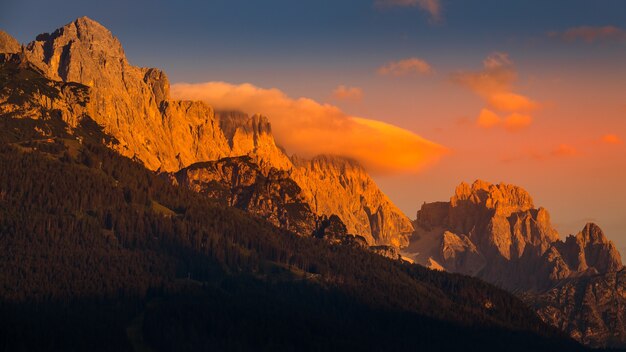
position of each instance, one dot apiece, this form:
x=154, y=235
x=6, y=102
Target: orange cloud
x=612, y=139
x=507, y=101
x=405, y=67
x=433, y=7
x=494, y=83
x=591, y=34
x=513, y=122
x=308, y=128
x=488, y=119
x=347, y=93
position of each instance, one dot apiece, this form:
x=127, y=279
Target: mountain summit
x=8, y=44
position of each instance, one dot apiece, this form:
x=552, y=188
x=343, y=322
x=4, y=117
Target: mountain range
x=70, y=97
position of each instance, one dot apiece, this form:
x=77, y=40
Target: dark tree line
x=93, y=244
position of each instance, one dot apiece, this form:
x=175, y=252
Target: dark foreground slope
x=99, y=253
x=102, y=254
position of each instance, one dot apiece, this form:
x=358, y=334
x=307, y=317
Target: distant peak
x=592, y=233
x=83, y=40
x=83, y=28
x=329, y=161
x=87, y=26
x=501, y=196
x=8, y=44
x=86, y=19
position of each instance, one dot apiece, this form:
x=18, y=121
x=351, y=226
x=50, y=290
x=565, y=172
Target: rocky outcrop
x=8, y=44
x=590, y=250
x=337, y=185
x=26, y=92
x=458, y=253
x=239, y=182
x=494, y=232
x=490, y=231
x=252, y=135
x=592, y=309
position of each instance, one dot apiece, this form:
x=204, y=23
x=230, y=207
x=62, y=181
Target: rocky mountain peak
x=503, y=198
x=130, y=103
x=338, y=185
x=590, y=250
x=8, y=44
x=79, y=52
x=592, y=234
x=237, y=126
x=252, y=135
x=499, y=226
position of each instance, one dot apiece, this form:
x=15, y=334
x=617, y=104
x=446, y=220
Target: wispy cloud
x=405, y=67
x=432, y=7
x=612, y=139
x=348, y=93
x=512, y=122
x=591, y=34
x=494, y=83
x=307, y=128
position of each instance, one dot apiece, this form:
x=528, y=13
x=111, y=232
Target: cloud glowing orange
x=612, y=139
x=494, y=83
x=307, y=128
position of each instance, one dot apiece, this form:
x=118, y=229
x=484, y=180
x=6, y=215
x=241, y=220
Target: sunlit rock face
x=494, y=232
x=26, y=93
x=252, y=135
x=8, y=44
x=337, y=185
x=239, y=182
x=133, y=105
x=511, y=243
x=591, y=308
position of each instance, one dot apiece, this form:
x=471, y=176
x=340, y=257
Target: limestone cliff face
x=336, y=185
x=132, y=104
x=239, y=182
x=8, y=44
x=590, y=250
x=333, y=187
x=591, y=308
x=252, y=135
x=26, y=92
x=501, y=237
x=494, y=232
x=501, y=219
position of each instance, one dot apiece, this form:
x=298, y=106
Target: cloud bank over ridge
x=308, y=128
